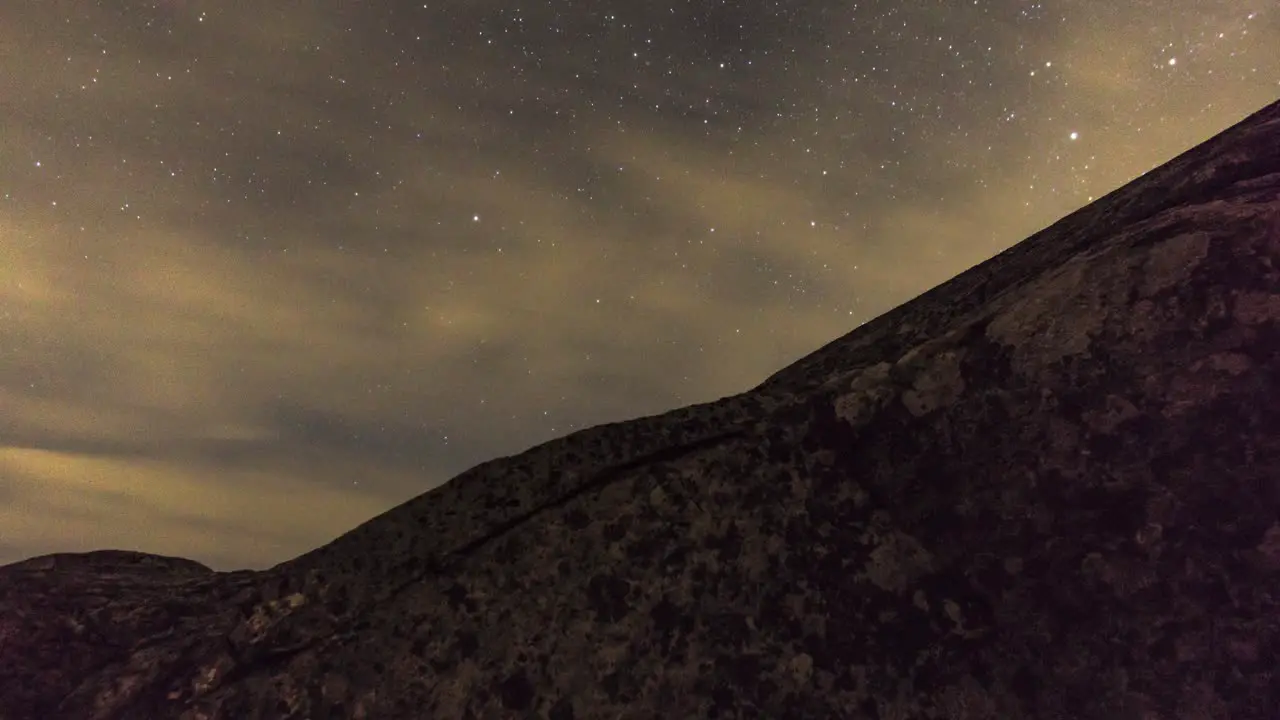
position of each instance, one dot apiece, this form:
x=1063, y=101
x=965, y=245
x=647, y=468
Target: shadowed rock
x=1049, y=488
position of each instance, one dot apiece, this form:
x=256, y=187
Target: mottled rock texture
x=1049, y=488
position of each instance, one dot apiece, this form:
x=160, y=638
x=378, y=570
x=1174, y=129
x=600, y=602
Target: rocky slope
x=1049, y=488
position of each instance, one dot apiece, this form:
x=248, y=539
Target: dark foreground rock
x=1049, y=488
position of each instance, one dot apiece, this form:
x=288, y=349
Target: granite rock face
x=1049, y=488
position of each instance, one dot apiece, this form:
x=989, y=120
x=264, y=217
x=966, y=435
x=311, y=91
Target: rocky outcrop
x=1049, y=488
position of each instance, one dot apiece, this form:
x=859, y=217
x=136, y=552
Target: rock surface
x=1049, y=488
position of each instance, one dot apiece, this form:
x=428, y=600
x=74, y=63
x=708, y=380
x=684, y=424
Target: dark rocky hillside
x=1049, y=488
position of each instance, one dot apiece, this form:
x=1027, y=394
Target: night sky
x=269, y=269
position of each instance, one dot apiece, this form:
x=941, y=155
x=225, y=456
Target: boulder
x=1048, y=488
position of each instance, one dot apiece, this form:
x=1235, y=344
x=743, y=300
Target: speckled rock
x=1049, y=488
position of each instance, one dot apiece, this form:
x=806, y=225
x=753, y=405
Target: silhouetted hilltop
x=1048, y=488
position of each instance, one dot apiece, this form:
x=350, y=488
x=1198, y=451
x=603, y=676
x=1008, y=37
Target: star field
x=267, y=271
